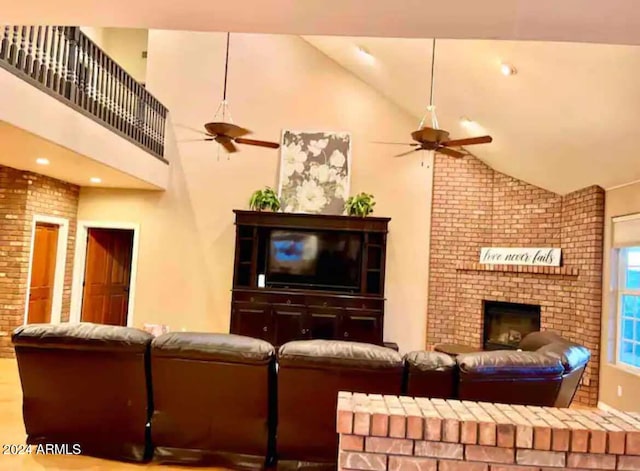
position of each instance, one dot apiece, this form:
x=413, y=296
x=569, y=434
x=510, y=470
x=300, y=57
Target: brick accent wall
x=475, y=206
x=380, y=433
x=23, y=195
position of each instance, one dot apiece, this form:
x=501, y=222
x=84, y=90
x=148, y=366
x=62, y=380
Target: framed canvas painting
x=315, y=169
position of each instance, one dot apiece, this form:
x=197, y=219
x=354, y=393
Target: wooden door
x=43, y=268
x=107, y=276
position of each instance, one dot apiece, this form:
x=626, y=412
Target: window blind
x=626, y=231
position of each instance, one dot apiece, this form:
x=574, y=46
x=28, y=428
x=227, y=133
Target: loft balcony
x=63, y=96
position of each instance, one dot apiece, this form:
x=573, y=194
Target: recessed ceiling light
x=365, y=55
x=507, y=69
x=95, y=180
x=42, y=161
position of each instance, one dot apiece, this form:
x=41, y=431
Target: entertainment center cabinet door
x=289, y=323
x=252, y=320
x=362, y=326
x=323, y=322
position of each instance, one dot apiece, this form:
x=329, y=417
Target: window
x=629, y=306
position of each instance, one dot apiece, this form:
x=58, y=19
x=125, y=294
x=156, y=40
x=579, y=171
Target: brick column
x=23, y=195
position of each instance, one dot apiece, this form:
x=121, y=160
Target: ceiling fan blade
x=408, y=152
x=468, y=141
x=227, y=144
x=396, y=143
x=450, y=152
x=255, y=142
x=189, y=128
x=206, y=139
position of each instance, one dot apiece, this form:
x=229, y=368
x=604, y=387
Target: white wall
x=275, y=82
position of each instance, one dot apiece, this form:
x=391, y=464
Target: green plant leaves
x=360, y=205
x=264, y=199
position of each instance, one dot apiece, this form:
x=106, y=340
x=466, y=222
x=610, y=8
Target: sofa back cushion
x=310, y=375
x=430, y=374
x=86, y=384
x=213, y=399
x=509, y=377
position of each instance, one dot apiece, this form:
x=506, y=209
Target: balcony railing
x=65, y=63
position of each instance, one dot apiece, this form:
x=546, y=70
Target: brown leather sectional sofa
x=234, y=402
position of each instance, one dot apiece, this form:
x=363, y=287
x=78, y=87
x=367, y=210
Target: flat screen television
x=314, y=259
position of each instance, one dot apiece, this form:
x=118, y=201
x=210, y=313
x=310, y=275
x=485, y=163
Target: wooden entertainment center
x=279, y=293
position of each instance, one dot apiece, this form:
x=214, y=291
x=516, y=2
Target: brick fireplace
x=475, y=206
x=505, y=324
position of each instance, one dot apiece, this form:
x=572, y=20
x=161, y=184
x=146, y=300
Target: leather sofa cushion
x=429, y=361
x=571, y=355
x=82, y=336
x=213, y=347
x=535, y=340
x=338, y=353
x=509, y=364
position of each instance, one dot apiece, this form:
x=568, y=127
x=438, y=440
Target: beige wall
x=125, y=46
x=275, y=82
x=619, y=202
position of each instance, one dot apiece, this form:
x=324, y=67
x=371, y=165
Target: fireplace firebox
x=505, y=324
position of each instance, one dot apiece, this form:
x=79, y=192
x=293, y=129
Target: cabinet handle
x=324, y=304
x=364, y=306
x=288, y=301
x=265, y=328
x=251, y=299
x=346, y=334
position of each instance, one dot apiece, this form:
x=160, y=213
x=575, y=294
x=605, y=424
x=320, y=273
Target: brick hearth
x=389, y=433
x=475, y=206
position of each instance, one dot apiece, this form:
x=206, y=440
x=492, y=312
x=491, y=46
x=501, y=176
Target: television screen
x=322, y=259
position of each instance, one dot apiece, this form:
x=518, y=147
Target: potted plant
x=360, y=205
x=264, y=200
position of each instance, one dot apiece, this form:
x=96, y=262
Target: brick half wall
x=380, y=433
x=474, y=207
x=23, y=195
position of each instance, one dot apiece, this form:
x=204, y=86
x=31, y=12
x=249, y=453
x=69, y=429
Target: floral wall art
x=314, y=171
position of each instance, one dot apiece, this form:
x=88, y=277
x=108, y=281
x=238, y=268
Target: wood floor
x=12, y=432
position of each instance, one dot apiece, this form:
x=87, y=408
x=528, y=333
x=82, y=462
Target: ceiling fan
x=225, y=132
x=433, y=138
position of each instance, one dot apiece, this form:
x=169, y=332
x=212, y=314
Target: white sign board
x=540, y=257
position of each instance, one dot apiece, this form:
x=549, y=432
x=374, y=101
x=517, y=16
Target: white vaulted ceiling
x=567, y=119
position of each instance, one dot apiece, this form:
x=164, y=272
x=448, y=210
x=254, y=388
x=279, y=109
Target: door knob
x=346, y=334
x=264, y=328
